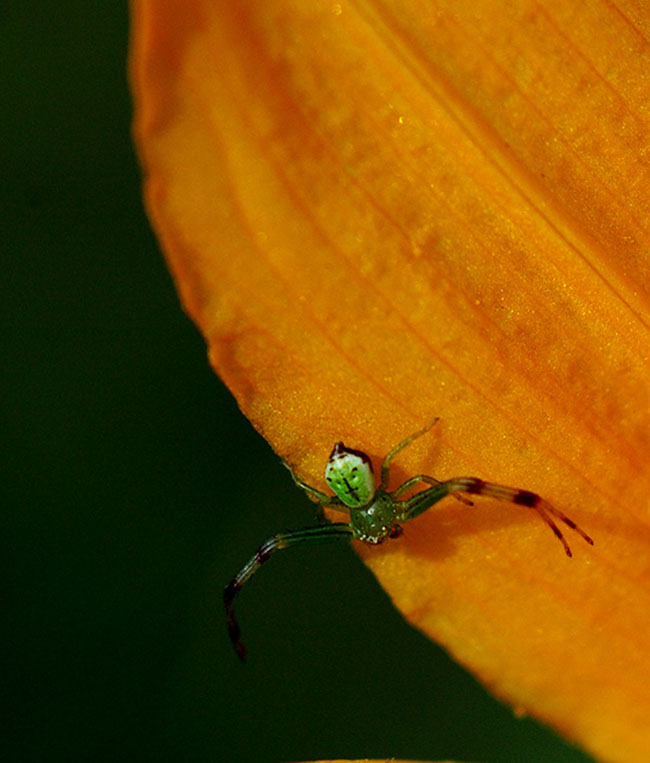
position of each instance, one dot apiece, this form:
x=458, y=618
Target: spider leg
x=320, y=515
x=522, y=498
x=406, y=486
x=385, y=467
x=325, y=533
x=427, y=498
x=329, y=501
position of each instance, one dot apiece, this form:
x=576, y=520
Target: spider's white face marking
x=349, y=474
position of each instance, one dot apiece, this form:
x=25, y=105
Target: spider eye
x=349, y=474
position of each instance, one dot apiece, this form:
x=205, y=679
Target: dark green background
x=133, y=488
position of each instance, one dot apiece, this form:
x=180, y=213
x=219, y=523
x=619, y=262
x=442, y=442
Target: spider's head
x=349, y=474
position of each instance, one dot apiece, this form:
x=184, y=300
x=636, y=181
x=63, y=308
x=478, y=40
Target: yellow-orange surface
x=381, y=211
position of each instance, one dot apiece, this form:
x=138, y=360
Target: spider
x=377, y=514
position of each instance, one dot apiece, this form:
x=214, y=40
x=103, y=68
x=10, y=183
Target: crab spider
x=375, y=514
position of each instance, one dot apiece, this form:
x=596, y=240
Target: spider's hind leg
x=329, y=501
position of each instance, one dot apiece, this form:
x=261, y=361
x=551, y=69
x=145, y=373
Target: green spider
x=376, y=514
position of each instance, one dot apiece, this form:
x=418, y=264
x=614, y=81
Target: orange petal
x=382, y=211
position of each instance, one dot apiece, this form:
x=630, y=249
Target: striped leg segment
x=522, y=498
x=323, y=534
x=424, y=500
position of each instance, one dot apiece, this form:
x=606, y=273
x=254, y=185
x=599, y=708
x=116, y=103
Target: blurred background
x=133, y=488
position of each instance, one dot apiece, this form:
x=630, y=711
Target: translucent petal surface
x=378, y=212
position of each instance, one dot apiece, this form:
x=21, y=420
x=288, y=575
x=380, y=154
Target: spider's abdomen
x=349, y=474
x=374, y=523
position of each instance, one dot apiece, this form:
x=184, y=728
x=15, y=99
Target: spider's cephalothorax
x=376, y=521
x=376, y=514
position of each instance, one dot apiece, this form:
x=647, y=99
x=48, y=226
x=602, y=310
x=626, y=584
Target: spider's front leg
x=420, y=502
x=326, y=533
x=410, y=483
